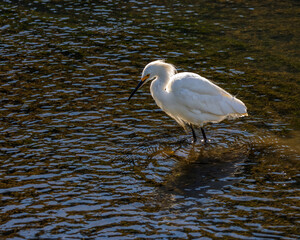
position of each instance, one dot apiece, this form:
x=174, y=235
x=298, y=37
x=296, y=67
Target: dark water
x=80, y=162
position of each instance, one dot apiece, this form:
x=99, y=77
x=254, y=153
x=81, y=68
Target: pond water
x=77, y=161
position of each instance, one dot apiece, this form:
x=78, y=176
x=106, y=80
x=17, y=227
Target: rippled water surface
x=80, y=162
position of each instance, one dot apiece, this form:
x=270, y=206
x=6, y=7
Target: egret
x=188, y=98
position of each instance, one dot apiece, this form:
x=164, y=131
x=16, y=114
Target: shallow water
x=80, y=162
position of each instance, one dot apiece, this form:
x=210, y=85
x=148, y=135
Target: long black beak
x=137, y=87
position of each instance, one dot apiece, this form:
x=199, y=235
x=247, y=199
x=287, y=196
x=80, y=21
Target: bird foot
x=205, y=141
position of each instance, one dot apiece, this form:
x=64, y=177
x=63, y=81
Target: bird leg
x=204, y=136
x=194, y=134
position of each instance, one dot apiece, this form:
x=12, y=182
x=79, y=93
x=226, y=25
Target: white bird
x=189, y=98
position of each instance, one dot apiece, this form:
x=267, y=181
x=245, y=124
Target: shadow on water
x=194, y=170
x=206, y=172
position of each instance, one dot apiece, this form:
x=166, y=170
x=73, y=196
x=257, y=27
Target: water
x=80, y=162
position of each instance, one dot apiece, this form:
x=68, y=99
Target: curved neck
x=162, y=79
x=158, y=88
x=160, y=83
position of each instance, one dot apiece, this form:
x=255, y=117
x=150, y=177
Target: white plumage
x=189, y=98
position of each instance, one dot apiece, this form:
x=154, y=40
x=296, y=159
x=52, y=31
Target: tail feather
x=238, y=108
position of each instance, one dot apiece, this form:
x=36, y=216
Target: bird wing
x=196, y=83
x=199, y=94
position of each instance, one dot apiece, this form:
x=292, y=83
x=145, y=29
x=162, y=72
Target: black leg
x=194, y=135
x=204, y=136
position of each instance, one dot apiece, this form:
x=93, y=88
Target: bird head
x=154, y=70
x=147, y=76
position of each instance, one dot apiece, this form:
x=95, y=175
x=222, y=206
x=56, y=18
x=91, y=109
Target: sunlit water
x=79, y=161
